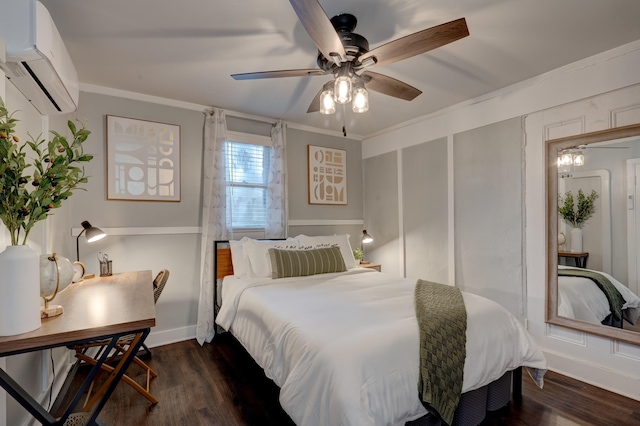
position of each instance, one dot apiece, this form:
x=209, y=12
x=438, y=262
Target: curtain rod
x=246, y=116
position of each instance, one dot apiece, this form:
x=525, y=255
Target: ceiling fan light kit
x=360, y=102
x=346, y=55
x=327, y=102
x=342, y=89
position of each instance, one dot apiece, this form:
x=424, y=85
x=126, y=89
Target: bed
x=580, y=298
x=343, y=346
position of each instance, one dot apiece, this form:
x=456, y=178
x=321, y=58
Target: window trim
x=250, y=139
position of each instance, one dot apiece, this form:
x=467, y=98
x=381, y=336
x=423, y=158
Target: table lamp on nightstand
x=366, y=239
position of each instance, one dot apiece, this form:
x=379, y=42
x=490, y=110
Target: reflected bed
x=580, y=298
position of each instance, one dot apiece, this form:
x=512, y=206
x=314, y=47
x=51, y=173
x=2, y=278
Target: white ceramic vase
x=576, y=240
x=19, y=290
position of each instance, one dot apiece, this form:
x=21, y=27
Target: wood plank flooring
x=219, y=384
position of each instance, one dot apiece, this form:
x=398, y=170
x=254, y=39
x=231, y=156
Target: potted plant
x=358, y=254
x=577, y=214
x=35, y=177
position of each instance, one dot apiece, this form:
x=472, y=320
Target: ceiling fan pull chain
x=344, y=124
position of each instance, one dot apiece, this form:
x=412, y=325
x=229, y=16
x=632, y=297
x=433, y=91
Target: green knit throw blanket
x=616, y=301
x=442, y=319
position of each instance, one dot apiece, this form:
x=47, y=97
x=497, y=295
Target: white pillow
x=241, y=265
x=257, y=252
x=342, y=241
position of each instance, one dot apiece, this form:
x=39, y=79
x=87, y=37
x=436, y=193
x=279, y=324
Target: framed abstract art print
x=143, y=160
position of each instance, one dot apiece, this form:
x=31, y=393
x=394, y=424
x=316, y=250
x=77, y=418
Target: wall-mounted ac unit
x=37, y=62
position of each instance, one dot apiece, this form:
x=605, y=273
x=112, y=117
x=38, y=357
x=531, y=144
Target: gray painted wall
x=382, y=218
x=299, y=207
x=488, y=213
x=487, y=217
x=425, y=211
x=93, y=205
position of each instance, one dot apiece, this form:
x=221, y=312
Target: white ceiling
x=187, y=49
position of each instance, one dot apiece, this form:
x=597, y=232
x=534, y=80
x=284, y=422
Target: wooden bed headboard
x=223, y=264
x=222, y=267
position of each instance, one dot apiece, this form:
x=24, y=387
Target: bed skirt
x=474, y=405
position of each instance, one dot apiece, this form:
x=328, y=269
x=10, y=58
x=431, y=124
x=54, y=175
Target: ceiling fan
x=346, y=55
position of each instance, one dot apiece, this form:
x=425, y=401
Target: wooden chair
x=120, y=347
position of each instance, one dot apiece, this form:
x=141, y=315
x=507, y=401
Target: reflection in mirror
x=593, y=241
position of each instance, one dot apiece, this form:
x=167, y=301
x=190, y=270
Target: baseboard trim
x=622, y=383
x=166, y=337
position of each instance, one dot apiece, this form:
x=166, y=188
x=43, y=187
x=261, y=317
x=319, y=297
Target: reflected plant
x=578, y=214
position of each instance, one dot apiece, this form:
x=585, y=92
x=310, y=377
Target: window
x=247, y=168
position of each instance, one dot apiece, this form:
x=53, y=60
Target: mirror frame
x=552, y=147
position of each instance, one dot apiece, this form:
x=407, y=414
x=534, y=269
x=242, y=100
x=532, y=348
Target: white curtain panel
x=213, y=215
x=277, y=189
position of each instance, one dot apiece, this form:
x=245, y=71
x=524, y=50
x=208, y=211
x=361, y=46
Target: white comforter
x=344, y=348
x=580, y=298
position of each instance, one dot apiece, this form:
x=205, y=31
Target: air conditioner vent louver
x=15, y=69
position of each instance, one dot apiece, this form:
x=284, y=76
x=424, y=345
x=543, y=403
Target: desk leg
x=103, y=394
x=26, y=400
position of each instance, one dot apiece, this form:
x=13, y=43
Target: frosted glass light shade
x=342, y=90
x=578, y=159
x=360, y=100
x=327, y=104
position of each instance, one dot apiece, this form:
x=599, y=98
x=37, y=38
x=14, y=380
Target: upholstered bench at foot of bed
x=474, y=404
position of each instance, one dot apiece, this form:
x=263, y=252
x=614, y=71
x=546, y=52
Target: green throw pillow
x=301, y=263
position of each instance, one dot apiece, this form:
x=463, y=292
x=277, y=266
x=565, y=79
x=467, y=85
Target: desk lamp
x=91, y=233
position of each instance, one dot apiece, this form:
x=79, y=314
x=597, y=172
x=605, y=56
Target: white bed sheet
x=344, y=348
x=580, y=298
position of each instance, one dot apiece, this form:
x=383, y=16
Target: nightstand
x=375, y=266
x=579, y=258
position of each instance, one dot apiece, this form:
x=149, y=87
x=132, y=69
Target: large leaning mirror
x=593, y=240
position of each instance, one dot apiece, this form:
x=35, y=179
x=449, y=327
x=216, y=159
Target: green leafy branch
x=30, y=190
x=576, y=215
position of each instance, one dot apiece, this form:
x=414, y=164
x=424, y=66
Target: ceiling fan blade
x=317, y=23
x=389, y=86
x=277, y=74
x=417, y=43
x=314, y=106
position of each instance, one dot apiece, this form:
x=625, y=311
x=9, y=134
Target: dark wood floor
x=219, y=384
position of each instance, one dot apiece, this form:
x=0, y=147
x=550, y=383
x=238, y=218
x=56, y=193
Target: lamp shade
x=94, y=234
x=366, y=238
x=91, y=233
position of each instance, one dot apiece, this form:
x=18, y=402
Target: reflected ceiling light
x=567, y=160
x=578, y=159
